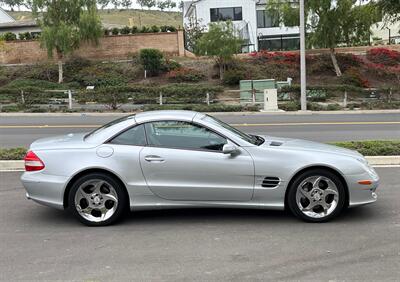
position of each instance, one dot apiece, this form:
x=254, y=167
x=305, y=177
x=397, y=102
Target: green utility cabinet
x=247, y=86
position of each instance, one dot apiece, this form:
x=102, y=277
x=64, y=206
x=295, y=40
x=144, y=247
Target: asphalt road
x=40, y=243
x=21, y=131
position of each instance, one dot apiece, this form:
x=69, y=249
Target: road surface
x=40, y=243
x=22, y=130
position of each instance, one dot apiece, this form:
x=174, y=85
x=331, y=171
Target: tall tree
x=12, y=3
x=220, y=43
x=390, y=9
x=126, y=4
x=103, y=3
x=330, y=22
x=170, y=4
x=162, y=5
x=147, y=3
x=65, y=25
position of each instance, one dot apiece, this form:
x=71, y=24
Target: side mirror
x=229, y=149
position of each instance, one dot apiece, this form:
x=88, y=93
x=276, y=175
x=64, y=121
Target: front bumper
x=362, y=194
x=45, y=189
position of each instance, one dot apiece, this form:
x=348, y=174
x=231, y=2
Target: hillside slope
x=121, y=17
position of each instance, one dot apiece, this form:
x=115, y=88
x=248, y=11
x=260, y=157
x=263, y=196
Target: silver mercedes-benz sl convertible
x=183, y=159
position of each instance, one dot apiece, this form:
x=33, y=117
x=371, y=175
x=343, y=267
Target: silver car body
x=192, y=178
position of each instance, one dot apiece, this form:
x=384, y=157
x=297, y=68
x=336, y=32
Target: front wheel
x=316, y=196
x=97, y=199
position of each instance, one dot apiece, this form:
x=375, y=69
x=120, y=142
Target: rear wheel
x=316, y=196
x=97, y=199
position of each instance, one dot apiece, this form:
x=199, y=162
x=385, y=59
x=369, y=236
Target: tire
x=97, y=199
x=316, y=195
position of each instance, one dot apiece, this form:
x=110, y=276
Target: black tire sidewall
x=122, y=198
x=291, y=200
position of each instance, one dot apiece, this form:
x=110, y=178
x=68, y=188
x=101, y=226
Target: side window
x=179, y=134
x=134, y=136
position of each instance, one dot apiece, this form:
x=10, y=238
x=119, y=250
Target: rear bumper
x=362, y=194
x=45, y=189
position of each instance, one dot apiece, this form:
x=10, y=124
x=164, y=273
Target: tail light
x=32, y=162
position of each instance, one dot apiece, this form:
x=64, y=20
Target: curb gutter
x=374, y=161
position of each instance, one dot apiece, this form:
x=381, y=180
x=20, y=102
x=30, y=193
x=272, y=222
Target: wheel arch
x=323, y=167
x=89, y=171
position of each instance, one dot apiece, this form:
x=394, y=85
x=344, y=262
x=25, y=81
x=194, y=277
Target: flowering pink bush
x=283, y=57
x=384, y=56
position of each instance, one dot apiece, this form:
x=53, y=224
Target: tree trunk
x=60, y=71
x=221, y=71
x=335, y=63
x=60, y=68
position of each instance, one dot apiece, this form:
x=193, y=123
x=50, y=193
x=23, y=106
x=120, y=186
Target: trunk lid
x=68, y=141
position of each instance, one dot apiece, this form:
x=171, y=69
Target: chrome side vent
x=270, y=182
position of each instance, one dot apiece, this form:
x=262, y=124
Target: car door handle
x=154, y=159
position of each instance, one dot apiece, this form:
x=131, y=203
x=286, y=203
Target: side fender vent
x=270, y=182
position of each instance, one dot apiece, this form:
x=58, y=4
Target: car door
x=184, y=161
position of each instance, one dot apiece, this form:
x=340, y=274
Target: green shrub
x=152, y=60
x=170, y=65
x=289, y=106
x=168, y=28
x=155, y=29
x=12, y=108
x=115, y=31
x=9, y=36
x=201, y=108
x=112, y=97
x=99, y=77
x=353, y=77
x=35, y=83
x=12, y=154
x=25, y=36
x=373, y=148
x=106, y=32
x=234, y=76
x=41, y=71
x=186, y=75
x=4, y=80
x=134, y=29
x=125, y=30
x=334, y=107
x=145, y=29
x=315, y=107
x=75, y=64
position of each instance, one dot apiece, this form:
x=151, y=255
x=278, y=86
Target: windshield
x=98, y=130
x=253, y=139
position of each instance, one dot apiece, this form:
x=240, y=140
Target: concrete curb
x=351, y=112
x=374, y=161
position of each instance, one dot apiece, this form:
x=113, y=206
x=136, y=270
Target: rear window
x=114, y=122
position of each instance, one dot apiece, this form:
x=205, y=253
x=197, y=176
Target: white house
x=254, y=25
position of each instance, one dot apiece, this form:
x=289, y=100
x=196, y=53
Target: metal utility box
x=270, y=100
x=246, y=87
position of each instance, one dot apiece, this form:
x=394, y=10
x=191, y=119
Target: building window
x=267, y=19
x=225, y=14
x=279, y=42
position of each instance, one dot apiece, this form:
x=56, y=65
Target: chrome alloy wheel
x=96, y=200
x=317, y=196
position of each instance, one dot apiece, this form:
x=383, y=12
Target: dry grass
x=121, y=17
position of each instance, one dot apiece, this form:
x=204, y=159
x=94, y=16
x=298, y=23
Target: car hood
x=305, y=145
x=72, y=140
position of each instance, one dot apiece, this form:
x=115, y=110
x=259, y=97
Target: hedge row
x=133, y=30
